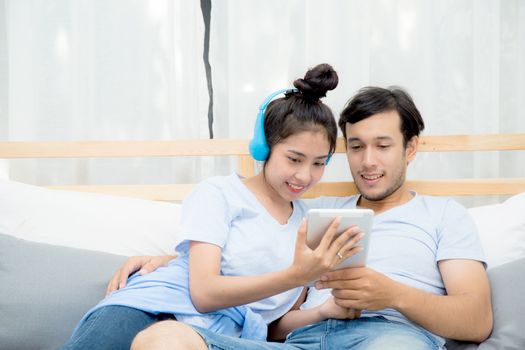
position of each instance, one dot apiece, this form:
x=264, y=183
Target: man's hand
x=360, y=288
x=143, y=264
x=463, y=313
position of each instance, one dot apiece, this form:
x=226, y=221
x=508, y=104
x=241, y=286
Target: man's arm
x=465, y=313
x=143, y=264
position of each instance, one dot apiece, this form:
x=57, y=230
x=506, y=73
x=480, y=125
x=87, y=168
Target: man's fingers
x=143, y=264
x=349, y=303
x=339, y=279
x=123, y=278
x=149, y=267
x=112, y=285
x=119, y=279
x=349, y=273
x=154, y=263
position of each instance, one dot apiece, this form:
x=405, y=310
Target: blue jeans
x=365, y=333
x=112, y=328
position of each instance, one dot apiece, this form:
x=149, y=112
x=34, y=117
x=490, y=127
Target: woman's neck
x=279, y=208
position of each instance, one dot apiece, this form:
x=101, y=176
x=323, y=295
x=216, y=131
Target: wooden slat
x=464, y=143
x=224, y=147
x=489, y=142
x=456, y=187
x=246, y=166
x=239, y=148
x=469, y=187
x=453, y=187
x=331, y=189
x=82, y=149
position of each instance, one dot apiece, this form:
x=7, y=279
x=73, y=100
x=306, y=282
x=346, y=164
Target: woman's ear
x=411, y=149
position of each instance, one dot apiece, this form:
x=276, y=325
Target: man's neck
x=400, y=197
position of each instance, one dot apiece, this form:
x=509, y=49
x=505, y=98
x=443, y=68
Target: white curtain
x=462, y=61
x=123, y=69
x=103, y=70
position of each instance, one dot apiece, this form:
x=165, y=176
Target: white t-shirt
x=222, y=211
x=407, y=242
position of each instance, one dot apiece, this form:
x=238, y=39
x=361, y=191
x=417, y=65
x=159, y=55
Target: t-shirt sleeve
x=205, y=216
x=458, y=235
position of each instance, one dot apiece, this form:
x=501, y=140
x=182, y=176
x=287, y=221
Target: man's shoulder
x=442, y=209
x=436, y=202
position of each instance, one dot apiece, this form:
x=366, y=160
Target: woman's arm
x=296, y=318
x=212, y=291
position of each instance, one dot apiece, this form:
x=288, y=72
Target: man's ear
x=411, y=149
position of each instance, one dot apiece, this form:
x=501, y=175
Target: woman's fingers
x=329, y=235
x=301, y=234
x=349, y=246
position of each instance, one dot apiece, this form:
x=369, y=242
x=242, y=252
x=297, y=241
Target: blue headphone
x=259, y=148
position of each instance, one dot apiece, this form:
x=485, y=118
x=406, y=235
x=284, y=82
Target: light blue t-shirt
x=407, y=242
x=221, y=211
x=224, y=212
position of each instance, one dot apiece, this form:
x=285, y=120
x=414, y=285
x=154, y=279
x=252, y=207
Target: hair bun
x=317, y=81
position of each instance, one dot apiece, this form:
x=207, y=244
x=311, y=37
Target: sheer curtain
x=462, y=61
x=103, y=70
x=121, y=69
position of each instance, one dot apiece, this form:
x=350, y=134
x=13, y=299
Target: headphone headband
x=269, y=99
x=259, y=148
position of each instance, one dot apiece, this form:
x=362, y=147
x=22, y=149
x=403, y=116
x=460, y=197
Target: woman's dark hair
x=372, y=100
x=303, y=110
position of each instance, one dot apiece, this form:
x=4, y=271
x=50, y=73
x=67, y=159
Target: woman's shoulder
x=218, y=183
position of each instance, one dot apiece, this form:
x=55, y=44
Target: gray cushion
x=508, y=285
x=45, y=290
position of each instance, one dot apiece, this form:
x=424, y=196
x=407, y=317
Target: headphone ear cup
x=258, y=146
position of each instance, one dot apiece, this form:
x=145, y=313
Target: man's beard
x=395, y=186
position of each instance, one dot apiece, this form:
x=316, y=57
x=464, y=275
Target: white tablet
x=320, y=219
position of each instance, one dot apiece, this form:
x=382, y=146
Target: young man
x=425, y=279
x=425, y=272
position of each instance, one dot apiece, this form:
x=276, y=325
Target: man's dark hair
x=372, y=100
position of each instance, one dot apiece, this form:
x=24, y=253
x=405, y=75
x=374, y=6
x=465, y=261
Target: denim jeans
x=365, y=333
x=112, y=328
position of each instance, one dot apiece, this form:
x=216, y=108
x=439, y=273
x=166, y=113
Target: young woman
x=243, y=259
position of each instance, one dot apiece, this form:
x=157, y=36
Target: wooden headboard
x=245, y=164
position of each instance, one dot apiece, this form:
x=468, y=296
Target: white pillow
x=93, y=221
x=502, y=229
